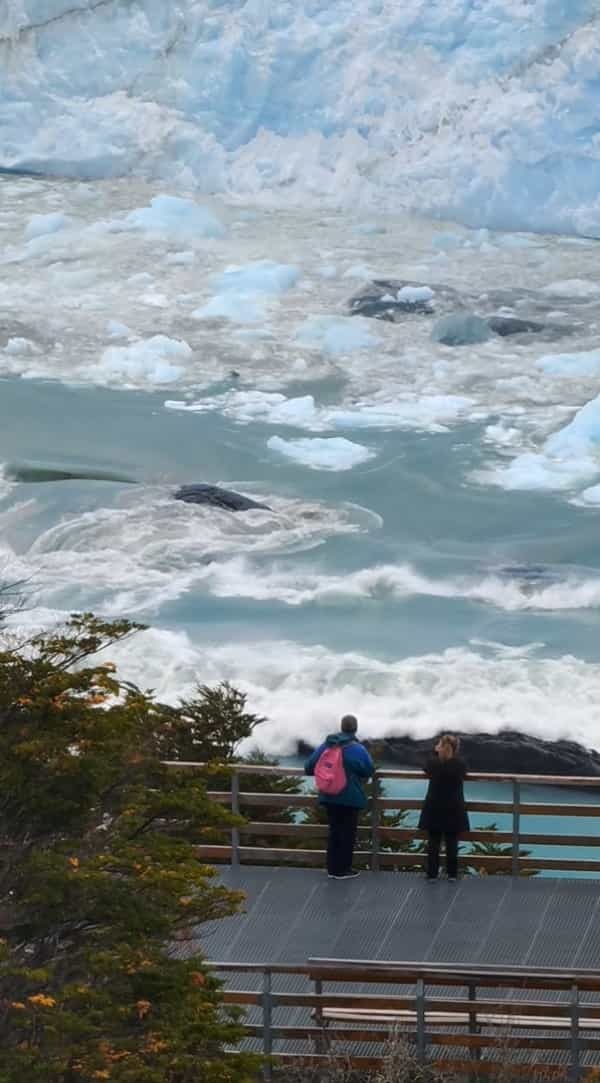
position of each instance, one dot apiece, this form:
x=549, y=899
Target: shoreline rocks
x=508, y=751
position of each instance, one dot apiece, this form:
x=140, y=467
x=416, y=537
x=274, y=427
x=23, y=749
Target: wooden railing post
x=321, y=1041
x=574, y=1069
x=375, y=813
x=235, y=808
x=420, y=1012
x=475, y=1051
x=516, y=827
x=267, y=1007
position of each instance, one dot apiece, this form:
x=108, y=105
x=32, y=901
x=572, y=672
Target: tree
x=100, y=890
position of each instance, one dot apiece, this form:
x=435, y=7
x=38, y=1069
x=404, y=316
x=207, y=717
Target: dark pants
x=343, y=823
x=433, y=854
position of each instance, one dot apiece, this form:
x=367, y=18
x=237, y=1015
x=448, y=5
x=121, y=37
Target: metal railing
x=373, y=837
x=468, y=1019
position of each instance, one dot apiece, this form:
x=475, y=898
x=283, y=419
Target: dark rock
x=379, y=300
x=510, y=325
x=216, y=497
x=507, y=752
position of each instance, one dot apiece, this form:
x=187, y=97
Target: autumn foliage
x=102, y=899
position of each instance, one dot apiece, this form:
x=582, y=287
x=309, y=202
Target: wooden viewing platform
x=380, y=846
x=498, y=973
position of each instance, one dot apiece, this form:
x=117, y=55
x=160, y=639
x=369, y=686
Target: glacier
x=486, y=113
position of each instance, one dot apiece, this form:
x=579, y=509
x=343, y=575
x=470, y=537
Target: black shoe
x=452, y=879
x=348, y=875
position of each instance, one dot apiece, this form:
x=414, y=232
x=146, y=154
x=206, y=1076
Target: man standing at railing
x=339, y=765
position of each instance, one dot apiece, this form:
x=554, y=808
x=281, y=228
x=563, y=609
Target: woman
x=444, y=809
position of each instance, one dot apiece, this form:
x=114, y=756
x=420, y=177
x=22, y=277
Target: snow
x=486, y=113
x=181, y=218
x=332, y=453
x=261, y=276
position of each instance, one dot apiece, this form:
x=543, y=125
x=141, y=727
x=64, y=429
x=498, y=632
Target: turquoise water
x=412, y=588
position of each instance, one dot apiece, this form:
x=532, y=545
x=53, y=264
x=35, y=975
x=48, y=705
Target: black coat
x=444, y=808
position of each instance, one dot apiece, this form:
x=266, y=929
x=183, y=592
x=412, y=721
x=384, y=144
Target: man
x=343, y=808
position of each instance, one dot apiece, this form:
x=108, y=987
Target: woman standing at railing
x=444, y=810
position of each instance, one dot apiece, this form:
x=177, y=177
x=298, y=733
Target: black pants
x=343, y=823
x=433, y=854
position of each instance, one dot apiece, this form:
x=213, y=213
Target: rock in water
x=216, y=497
x=393, y=299
x=461, y=329
x=510, y=325
x=507, y=751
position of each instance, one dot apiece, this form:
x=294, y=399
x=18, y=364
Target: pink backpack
x=330, y=774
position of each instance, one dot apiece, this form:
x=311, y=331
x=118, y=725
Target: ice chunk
x=414, y=295
x=335, y=335
x=460, y=329
x=146, y=361
x=261, y=276
x=176, y=217
x=236, y=307
x=117, y=329
x=20, y=346
x=586, y=363
x=321, y=453
x=42, y=224
x=573, y=287
x=181, y=259
x=569, y=458
x=368, y=229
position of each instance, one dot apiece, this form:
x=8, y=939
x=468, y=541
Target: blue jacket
x=357, y=765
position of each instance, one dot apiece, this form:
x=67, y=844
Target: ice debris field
x=331, y=238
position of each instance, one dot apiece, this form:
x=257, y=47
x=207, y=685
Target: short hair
x=349, y=724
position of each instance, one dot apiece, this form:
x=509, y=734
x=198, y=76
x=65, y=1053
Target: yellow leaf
x=185, y=900
x=143, y=1007
x=18, y=1004
x=42, y=1001
x=74, y=862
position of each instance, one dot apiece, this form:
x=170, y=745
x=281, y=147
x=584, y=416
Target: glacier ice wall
x=487, y=111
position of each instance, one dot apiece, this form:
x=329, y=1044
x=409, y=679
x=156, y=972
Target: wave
x=147, y=549
x=303, y=691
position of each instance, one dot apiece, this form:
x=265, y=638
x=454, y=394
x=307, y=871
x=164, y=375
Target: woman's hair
x=449, y=744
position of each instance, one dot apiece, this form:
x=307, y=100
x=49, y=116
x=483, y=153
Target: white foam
x=145, y=549
x=333, y=453
x=241, y=578
x=303, y=690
